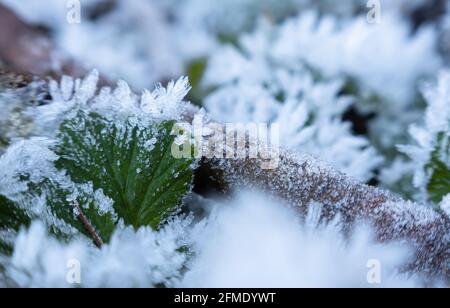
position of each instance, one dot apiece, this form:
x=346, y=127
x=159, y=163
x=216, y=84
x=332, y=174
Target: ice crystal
x=69, y=95
x=360, y=50
x=142, y=258
x=258, y=242
x=366, y=54
x=445, y=205
x=254, y=88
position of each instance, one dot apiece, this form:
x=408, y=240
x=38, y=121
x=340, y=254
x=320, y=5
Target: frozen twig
x=88, y=226
x=302, y=181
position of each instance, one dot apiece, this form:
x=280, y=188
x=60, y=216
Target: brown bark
x=88, y=226
x=302, y=181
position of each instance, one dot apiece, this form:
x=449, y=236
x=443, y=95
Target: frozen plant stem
x=302, y=181
x=87, y=225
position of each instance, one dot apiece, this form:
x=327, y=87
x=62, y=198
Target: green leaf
x=61, y=204
x=12, y=218
x=439, y=168
x=129, y=162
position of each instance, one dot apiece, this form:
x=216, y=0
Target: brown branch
x=302, y=181
x=88, y=226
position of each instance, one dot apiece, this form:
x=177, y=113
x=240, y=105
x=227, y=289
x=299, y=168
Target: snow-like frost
x=445, y=205
x=69, y=95
x=379, y=58
x=425, y=136
x=259, y=242
x=253, y=87
x=31, y=157
x=142, y=258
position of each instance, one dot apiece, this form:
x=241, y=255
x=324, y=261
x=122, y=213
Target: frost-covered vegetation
x=87, y=172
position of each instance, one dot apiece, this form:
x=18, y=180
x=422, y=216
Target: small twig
x=302, y=181
x=88, y=226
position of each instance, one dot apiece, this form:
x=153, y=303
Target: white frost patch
x=253, y=86
x=69, y=95
x=254, y=242
x=381, y=57
x=40, y=260
x=31, y=157
x=133, y=259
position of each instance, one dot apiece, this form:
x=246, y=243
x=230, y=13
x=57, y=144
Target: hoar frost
x=256, y=87
x=257, y=242
x=142, y=258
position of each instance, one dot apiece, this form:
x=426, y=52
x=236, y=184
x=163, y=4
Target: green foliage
x=195, y=72
x=12, y=218
x=132, y=165
x=116, y=171
x=439, y=169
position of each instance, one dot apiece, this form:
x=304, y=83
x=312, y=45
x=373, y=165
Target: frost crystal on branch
x=142, y=258
x=302, y=180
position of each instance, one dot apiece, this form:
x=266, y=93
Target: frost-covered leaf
x=10, y=215
x=130, y=163
x=143, y=258
x=117, y=172
x=108, y=154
